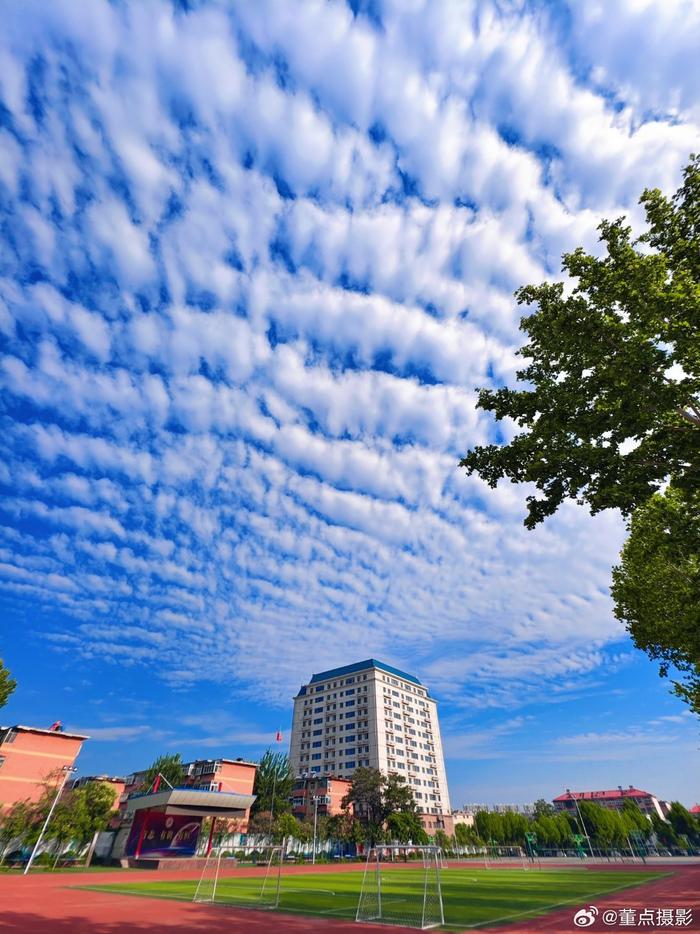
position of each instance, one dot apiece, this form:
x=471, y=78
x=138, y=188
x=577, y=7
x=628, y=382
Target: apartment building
x=373, y=715
x=32, y=758
x=322, y=793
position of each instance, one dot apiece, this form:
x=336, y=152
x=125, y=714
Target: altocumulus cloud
x=257, y=257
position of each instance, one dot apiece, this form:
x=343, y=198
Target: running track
x=50, y=904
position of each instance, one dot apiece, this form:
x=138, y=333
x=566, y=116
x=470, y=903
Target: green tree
x=273, y=784
x=406, y=827
x=7, y=684
x=376, y=797
x=656, y=587
x=683, y=822
x=168, y=766
x=611, y=413
x=286, y=825
x=15, y=824
x=612, y=409
x=543, y=808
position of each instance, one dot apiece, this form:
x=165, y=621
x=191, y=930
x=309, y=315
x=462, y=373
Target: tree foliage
x=273, y=784
x=656, y=587
x=7, y=684
x=612, y=406
x=377, y=798
x=169, y=766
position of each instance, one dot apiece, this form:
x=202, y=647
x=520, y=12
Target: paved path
x=50, y=904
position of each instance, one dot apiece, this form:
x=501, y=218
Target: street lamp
x=317, y=799
x=580, y=817
x=67, y=769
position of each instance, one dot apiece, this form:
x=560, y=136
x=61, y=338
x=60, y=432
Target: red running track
x=50, y=904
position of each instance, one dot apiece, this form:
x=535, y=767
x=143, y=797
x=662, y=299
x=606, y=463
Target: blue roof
x=362, y=666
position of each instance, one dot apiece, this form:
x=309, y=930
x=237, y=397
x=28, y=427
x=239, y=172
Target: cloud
x=253, y=282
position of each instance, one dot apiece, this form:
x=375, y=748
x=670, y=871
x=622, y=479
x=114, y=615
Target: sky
x=255, y=260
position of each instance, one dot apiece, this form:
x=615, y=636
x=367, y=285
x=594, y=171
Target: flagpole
x=278, y=739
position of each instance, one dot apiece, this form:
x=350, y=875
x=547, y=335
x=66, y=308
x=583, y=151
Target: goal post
x=248, y=876
x=505, y=855
x=409, y=895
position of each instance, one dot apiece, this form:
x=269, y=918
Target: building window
x=349, y=765
x=316, y=755
x=317, y=744
x=2, y=761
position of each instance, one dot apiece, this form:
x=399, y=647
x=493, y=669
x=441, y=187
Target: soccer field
x=471, y=897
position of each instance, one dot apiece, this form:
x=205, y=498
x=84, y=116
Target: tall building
x=32, y=758
x=370, y=714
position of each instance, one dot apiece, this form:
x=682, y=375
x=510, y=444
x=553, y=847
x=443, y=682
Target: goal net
x=401, y=885
x=510, y=855
x=242, y=876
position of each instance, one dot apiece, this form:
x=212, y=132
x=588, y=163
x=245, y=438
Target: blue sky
x=257, y=257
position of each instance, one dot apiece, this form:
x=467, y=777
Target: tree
x=683, y=822
x=15, y=823
x=7, y=684
x=273, y=784
x=611, y=412
x=656, y=587
x=406, y=827
x=614, y=366
x=543, y=808
x=376, y=797
x=168, y=766
x=286, y=825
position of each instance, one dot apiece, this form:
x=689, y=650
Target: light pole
x=580, y=817
x=67, y=769
x=317, y=799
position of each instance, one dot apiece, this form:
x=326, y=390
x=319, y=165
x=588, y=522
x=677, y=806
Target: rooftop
x=604, y=795
x=362, y=666
x=18, y=728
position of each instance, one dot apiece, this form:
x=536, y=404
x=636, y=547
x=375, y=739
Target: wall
x=30, y=760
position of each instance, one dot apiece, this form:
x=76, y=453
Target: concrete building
x=614, y=799
x=372, y=715
x=30, y=758
x=231, y=775
x=329, y=791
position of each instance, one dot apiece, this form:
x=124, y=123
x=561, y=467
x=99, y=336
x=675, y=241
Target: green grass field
x=471, y=897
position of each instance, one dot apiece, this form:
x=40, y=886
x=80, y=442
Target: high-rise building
x=370, y=714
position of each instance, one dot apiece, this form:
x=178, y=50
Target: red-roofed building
x=614, y=799
x=695, y=810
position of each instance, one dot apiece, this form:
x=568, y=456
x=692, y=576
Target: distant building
x=527, y=809
x=328, y=790
x=31, y=758
x=463, y=817
x=373, y=715
x=695, y=810
x=166, y=823
x=234, y=775
x=614, y=799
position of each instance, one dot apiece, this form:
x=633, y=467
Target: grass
x=471, y=897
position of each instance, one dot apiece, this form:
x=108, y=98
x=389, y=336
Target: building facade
x=372, y=715
x=31, y=758
x=328, y=790
x=232, y=775
x=614, y=799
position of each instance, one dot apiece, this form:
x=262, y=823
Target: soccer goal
x=508, y=855
x=243, y=876
x=409, y=895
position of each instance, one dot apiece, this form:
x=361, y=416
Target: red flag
x=278, y=736
x=156, y=784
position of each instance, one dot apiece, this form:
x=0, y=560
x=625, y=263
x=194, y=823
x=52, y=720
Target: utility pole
x=580, y=817
x=316, y=799
x=67, y=769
